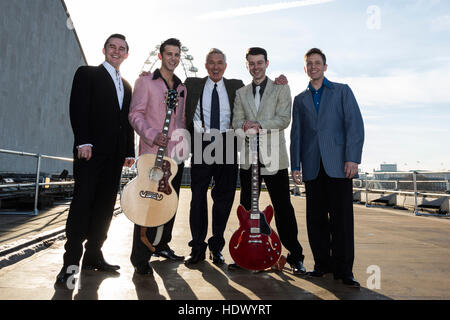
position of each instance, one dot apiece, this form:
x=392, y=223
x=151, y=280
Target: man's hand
x=161, y=140
x=351, y=169
x=144, y=73
x=281, y=80
x=128, y=162
x=85, y=153
x=252, y=126
x=297, y=176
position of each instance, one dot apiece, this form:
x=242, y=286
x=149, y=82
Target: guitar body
x=255, y=250
x=149, y=200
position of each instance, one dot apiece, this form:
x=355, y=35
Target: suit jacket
x=148, y=112
x=274, y=115
x=95, y=113
x=335, y=134
x=195, y=88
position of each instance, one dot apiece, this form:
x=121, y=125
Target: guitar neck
x=255, y=174
x=171, y=103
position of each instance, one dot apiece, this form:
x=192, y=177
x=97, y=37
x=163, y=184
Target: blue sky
x=395, y=55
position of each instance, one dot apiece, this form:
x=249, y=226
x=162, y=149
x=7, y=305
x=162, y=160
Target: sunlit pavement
x=398, y=256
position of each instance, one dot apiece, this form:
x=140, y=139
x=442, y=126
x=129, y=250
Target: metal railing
x=414, y=192
x=36, y=184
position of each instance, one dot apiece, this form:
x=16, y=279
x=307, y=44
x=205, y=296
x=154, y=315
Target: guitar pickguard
x=164, y=185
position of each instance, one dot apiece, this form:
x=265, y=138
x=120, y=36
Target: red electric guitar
x=255, y=246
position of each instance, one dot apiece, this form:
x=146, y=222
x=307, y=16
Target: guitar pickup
x=254, y=216
x=255, y=230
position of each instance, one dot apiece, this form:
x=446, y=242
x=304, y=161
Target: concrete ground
x=397, y=256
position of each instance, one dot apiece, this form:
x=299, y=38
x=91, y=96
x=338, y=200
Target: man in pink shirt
x=147, y=115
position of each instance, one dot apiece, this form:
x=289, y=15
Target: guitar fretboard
x=171, y=103
x=255, y=215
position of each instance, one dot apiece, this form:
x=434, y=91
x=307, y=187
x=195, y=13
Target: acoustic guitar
x=149, y=199
x=255, y=246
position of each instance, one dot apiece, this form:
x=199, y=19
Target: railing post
x=36, y=195
x=416, y=211
x=367, y=190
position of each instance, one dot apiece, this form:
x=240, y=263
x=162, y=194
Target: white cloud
x=245, y=11
x=441, y=23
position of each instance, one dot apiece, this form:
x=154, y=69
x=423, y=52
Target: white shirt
x=115, y=75
x=224, y=103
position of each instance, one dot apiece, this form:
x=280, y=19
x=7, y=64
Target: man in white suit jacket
x=265, y=107
x=327, y=137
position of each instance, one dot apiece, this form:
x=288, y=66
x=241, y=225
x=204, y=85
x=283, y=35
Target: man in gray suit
x=327, y=138
x=266, y=107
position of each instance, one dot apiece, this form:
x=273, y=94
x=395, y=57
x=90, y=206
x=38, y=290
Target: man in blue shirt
x=327, y=137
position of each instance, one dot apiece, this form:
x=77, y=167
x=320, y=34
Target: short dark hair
x=118, y=36
x=316, y=51
x=170, y=42
x=254, y=51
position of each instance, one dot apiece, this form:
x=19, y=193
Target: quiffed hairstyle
x=256, y=51
x=316, y=51
x=216, y=51
x=118, y=36
x=170, y=42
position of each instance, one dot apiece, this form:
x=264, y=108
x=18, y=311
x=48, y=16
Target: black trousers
x=140, y=253
x=224, y=189
x=278, y=187
x=329, y=217
x=90, y=214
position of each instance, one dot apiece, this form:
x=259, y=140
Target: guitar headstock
x=171, y=99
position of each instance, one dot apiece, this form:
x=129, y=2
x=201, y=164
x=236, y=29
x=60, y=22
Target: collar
x=326, y=83
x=262, y=84
x=211, y=83
x=110, y=68
x=176, y=80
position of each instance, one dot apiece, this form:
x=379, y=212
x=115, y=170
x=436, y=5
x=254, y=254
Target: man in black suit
x=103, y=143
x=209, y=111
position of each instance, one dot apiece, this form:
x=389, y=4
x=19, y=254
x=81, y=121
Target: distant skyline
x=394, y=55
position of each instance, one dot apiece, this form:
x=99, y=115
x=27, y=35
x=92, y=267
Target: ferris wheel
x=186, y=61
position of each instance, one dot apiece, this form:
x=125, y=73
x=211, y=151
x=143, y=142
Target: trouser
x=329, y=216
x=223, y=170
x=95, y=193
x=140, y=253
x=278, y=187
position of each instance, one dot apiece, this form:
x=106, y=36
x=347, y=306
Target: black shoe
x=168, y=254
x=296, y=266
x=101, y=265
x=348, y=281
x=195, y=258
x=217, y=258
x=146, y=270
x=317, y=273
x=63, y=277
x=234, y=266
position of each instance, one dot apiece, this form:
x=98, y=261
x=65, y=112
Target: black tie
x=215, y=110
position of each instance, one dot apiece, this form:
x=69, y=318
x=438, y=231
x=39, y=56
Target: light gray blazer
x=336, y=133
x=274, y=115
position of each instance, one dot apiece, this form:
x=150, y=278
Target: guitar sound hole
x=156, y=174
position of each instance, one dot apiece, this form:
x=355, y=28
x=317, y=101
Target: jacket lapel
x=308, y=102
x=250, y=99
x=195, y=91
x=112, y=86
x=327, y=96
x=268, y=91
